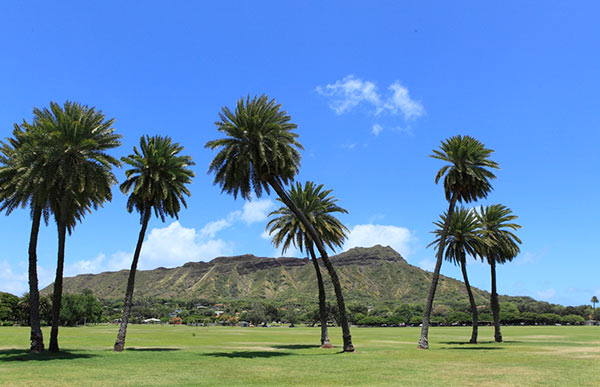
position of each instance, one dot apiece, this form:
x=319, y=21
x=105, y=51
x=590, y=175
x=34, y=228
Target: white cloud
x=350, y=92
x=376, y=129
x=400, y=101
x=11, y=282
x=175, y=245
x=257, y=210
x=366, y=235
x=94, y=265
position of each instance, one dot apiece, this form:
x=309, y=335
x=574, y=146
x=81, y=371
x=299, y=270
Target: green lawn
x=180, y=355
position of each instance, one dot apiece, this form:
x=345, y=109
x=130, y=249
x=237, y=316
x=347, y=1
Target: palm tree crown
x=260, y=145
x=76, y=163
x=464, y=237
x=158, y=177
x=22, y=178
x=497, y=228
x=468, y=175
x=318, y=206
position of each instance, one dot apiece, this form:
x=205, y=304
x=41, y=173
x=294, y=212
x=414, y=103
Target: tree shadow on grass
x=25, y=355
x=155, y=349
x=474, y=348
x=478, y=343
x=295, y=346
x=247, y=354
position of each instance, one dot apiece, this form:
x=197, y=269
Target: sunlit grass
x=181, y=355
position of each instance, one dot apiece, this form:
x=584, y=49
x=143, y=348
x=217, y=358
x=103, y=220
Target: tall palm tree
x=261, y=151
x=594, y=301
x=157, y=181
x=466, y=178
x=463, y=239
x=316, y=204
x=501, y=246
x=22, y=184
x=79, y=174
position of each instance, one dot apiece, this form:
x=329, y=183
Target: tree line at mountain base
x=84, y=308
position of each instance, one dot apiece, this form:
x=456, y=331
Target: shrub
x=573, y=319
x=459, y=318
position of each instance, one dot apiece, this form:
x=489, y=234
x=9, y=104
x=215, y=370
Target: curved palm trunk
x=325, y=343
x=58, y=281
x=37, y=339
x=463, y=267
x=424, y=341
x=120, y=343
x=495, y=305
x=348, y=347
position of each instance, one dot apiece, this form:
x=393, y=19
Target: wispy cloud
x=376, y=129
x=350, y=92
x=546, y=294
x=427, y=264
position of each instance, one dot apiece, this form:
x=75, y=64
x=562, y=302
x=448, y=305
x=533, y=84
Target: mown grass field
x=181, y=355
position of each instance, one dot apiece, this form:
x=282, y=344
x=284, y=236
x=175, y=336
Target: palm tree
x=78, y=173
x=316, y=204
x=501, y=246
x=21, y=185
x=463, y=238
x=594, y=301
x=157, y=181
x=466, y=178
x=261, y=151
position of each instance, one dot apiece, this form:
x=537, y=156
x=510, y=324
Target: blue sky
x=373, y=88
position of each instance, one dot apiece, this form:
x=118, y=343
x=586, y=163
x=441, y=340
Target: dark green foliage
x=467, y=175
x=260, y=144
x=572, y=319
x=158, y=177
x=79, y=309
x=459, y=318
x=9, y=307
x=502, y=244
x=463, y=236
x=318, y=207
x=549, y=318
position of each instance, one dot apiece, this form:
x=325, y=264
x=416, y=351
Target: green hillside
x=372, y=275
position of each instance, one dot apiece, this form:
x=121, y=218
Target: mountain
x=372, y=275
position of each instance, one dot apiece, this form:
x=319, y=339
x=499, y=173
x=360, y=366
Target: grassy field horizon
x=182, y=355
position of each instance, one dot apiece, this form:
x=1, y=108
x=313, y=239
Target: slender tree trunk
x=58, y=281
x=495, y=305
x=120, y=343
x=325, y=343
x=463, y=267
x=348, y=347
x=37, y=339
x=424, y=341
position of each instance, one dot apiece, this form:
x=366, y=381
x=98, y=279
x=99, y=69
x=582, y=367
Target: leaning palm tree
x=463, y=239
x=501, y=246
x=287, y=230
x=78, y=171
x=261, y=151
x=466, y=178
x=22, y=184
x=157, y=181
